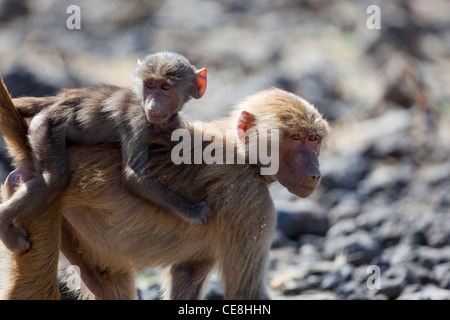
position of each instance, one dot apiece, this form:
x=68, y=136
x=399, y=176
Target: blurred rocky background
x=379, y=227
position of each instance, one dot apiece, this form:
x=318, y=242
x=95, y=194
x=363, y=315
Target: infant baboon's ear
x=200, y=84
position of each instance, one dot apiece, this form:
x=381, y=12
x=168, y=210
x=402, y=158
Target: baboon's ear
x=200, y=84
x=246, y=121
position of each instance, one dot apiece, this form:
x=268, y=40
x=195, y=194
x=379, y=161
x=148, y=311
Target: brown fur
x=112, y=233
x=163, y=82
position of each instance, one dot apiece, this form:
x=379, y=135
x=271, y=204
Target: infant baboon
x=162, y=83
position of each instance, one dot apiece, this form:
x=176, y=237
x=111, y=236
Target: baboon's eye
x=166, y=86
x=296, y=137
x=150, y=85
x=313, y=137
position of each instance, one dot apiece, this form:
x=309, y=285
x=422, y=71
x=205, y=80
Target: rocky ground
x=379, y=227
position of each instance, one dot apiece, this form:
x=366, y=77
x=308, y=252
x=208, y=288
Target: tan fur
x=45, y=237
x=113, y=233
x=14, y=129
x=293, y=113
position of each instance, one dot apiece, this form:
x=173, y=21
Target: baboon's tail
x=14, y=129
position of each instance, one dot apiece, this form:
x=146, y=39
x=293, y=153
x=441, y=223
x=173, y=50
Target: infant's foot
x=198, y=213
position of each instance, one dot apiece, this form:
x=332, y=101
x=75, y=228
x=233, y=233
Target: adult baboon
x=110, y=233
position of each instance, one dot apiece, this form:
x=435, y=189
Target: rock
x=394, y=280
x=416, y=237
x=391, y=123
x=307, y=283
x=342, y=228
x=283, y=256
x=316, y=295
x=311, y=239
x=280, y=240
x=12, y=9
x=321, y=87
x=386, y=177
x=426, y=292
x=358, y=247
x=428, y=257
x=293, y=224
x=214, y=290
x=343, y=171
x=351, y=290
x=401, y=146
x=442, y=273
x=421, y=274
x=333, y=197
x=390, y=233
x=151, y=293
x=333, y=279
x=349, y=206
x=399, y=253
x=329, y=281
x=374, y=217
x=435, y=173
x=438, y=231
x=310, y=259
x=21, y=82
x=441, y=198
